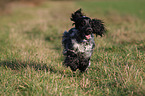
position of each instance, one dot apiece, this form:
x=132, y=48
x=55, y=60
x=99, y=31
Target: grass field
x=31, y=51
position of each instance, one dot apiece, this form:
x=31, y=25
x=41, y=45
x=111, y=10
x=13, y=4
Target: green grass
x=31, y=51
x=130, y=7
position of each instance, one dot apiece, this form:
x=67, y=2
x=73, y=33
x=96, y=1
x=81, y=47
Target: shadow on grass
x=18, y=65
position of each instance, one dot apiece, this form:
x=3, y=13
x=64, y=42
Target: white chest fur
x=84, y=48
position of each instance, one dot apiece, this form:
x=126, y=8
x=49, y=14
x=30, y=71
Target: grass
x=31, y=51
x=132, y=8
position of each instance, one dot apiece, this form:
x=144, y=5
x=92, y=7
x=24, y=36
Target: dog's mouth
x=88, y=36
x=88, y=33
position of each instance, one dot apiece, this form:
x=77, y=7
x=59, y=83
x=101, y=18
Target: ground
x=31, y=50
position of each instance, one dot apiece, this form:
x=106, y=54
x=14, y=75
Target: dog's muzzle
x=88, y=33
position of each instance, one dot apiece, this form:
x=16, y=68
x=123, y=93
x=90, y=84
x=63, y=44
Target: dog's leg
x=84, y=64
x=72, y=62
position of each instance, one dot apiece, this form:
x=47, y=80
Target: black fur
x=79, y=42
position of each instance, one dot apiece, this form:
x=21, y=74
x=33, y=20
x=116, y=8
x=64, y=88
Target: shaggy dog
x=79, y=43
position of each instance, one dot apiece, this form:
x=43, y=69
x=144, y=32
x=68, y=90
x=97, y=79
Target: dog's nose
x=89, y=31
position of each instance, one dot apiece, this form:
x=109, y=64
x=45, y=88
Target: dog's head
x=87, y=26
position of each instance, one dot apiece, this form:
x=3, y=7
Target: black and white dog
x=79, y=43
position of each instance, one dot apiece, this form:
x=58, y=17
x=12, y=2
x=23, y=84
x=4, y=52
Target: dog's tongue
x=88, y=36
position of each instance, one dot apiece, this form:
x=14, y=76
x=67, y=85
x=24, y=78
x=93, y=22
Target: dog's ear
x=76, y=15
x=98, y=27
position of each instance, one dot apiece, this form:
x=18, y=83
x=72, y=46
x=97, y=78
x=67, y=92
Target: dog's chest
x=84, y=47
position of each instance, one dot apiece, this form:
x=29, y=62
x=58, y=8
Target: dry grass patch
x=31, y=53
x=42, y=32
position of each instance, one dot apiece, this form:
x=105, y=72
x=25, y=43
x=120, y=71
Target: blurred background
x=4, y=4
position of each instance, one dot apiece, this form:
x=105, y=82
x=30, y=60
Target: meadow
x=31, y=51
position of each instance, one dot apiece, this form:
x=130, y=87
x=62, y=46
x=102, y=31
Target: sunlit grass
x=31, y=51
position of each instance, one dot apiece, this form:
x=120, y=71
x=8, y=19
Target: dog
x=79, y=43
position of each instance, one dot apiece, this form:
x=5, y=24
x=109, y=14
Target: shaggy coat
x=79, y=43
